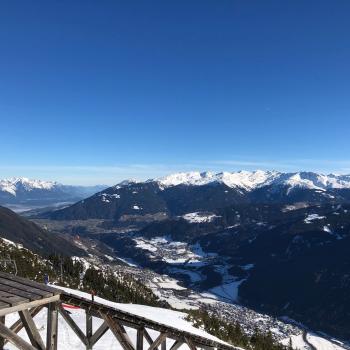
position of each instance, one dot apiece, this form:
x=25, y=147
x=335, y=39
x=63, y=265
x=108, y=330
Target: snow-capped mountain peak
x=250, y=180
x=241, y=179
x=13, y=184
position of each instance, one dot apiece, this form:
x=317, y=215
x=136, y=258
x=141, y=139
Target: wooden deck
x=28, y=298
x=18, y=294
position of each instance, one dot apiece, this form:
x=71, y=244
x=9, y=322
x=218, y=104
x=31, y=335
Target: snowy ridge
x=250, y=180
x=12, y=185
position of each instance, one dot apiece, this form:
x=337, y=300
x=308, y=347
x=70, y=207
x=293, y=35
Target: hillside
x=20, y=230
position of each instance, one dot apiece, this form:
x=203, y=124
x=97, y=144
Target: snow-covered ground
x=162, y=316
x=312, y=217
x=199, y=217
x=318, y=342
x=173, y=252
x=68, y=340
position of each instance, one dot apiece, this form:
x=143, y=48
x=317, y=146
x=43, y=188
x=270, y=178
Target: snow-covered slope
x=251, y=180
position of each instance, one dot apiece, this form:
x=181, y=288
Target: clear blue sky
x=97, y=91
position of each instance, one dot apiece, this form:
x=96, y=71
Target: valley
x=227, y=243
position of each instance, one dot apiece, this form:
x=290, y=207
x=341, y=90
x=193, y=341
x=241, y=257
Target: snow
x=327, y=229
x=136, y=207
x=319, y=342
x=8, y=242
x=322, y=343
x=168, y=283
x=199, y=217
x=243, y=179
x=128, y=261
x=162, y=316
x=67, y=339
x=173, y=252
x=247, y=267
x=195, y=276
x=145, y=245
x=228, y=291
x=12, y=185
x=312, y=217
x=250, y=180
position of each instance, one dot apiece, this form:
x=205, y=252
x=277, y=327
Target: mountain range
x=181, y=193
x=22, y=190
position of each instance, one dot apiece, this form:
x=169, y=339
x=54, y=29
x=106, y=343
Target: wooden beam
x=99, y=333
x=19, y=292
x=31, y=329
x=176, y=345
x=163, y=346
x=29, y=283
x=28, y=305
x=88, y=329
x=161, y=337
x=72, y=325
x=2, y=340
x=25, y=288
x=190, y=343
x=52, y=326
x=206, y=347
x=18, y=325
x=139, y=338
x=119, y=332
x=15, y=339
x=148, y=338
x=12, y=299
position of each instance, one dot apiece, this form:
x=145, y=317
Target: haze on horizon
x=94, y=94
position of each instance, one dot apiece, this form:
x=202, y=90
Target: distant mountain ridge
x=251, y=180
x=22, y=190
x=182, y=193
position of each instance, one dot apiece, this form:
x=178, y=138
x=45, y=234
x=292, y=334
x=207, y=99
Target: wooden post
x=139, y=340
x=163, y=346
x=2, y=340
x=52, y=326
x=88, y=329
